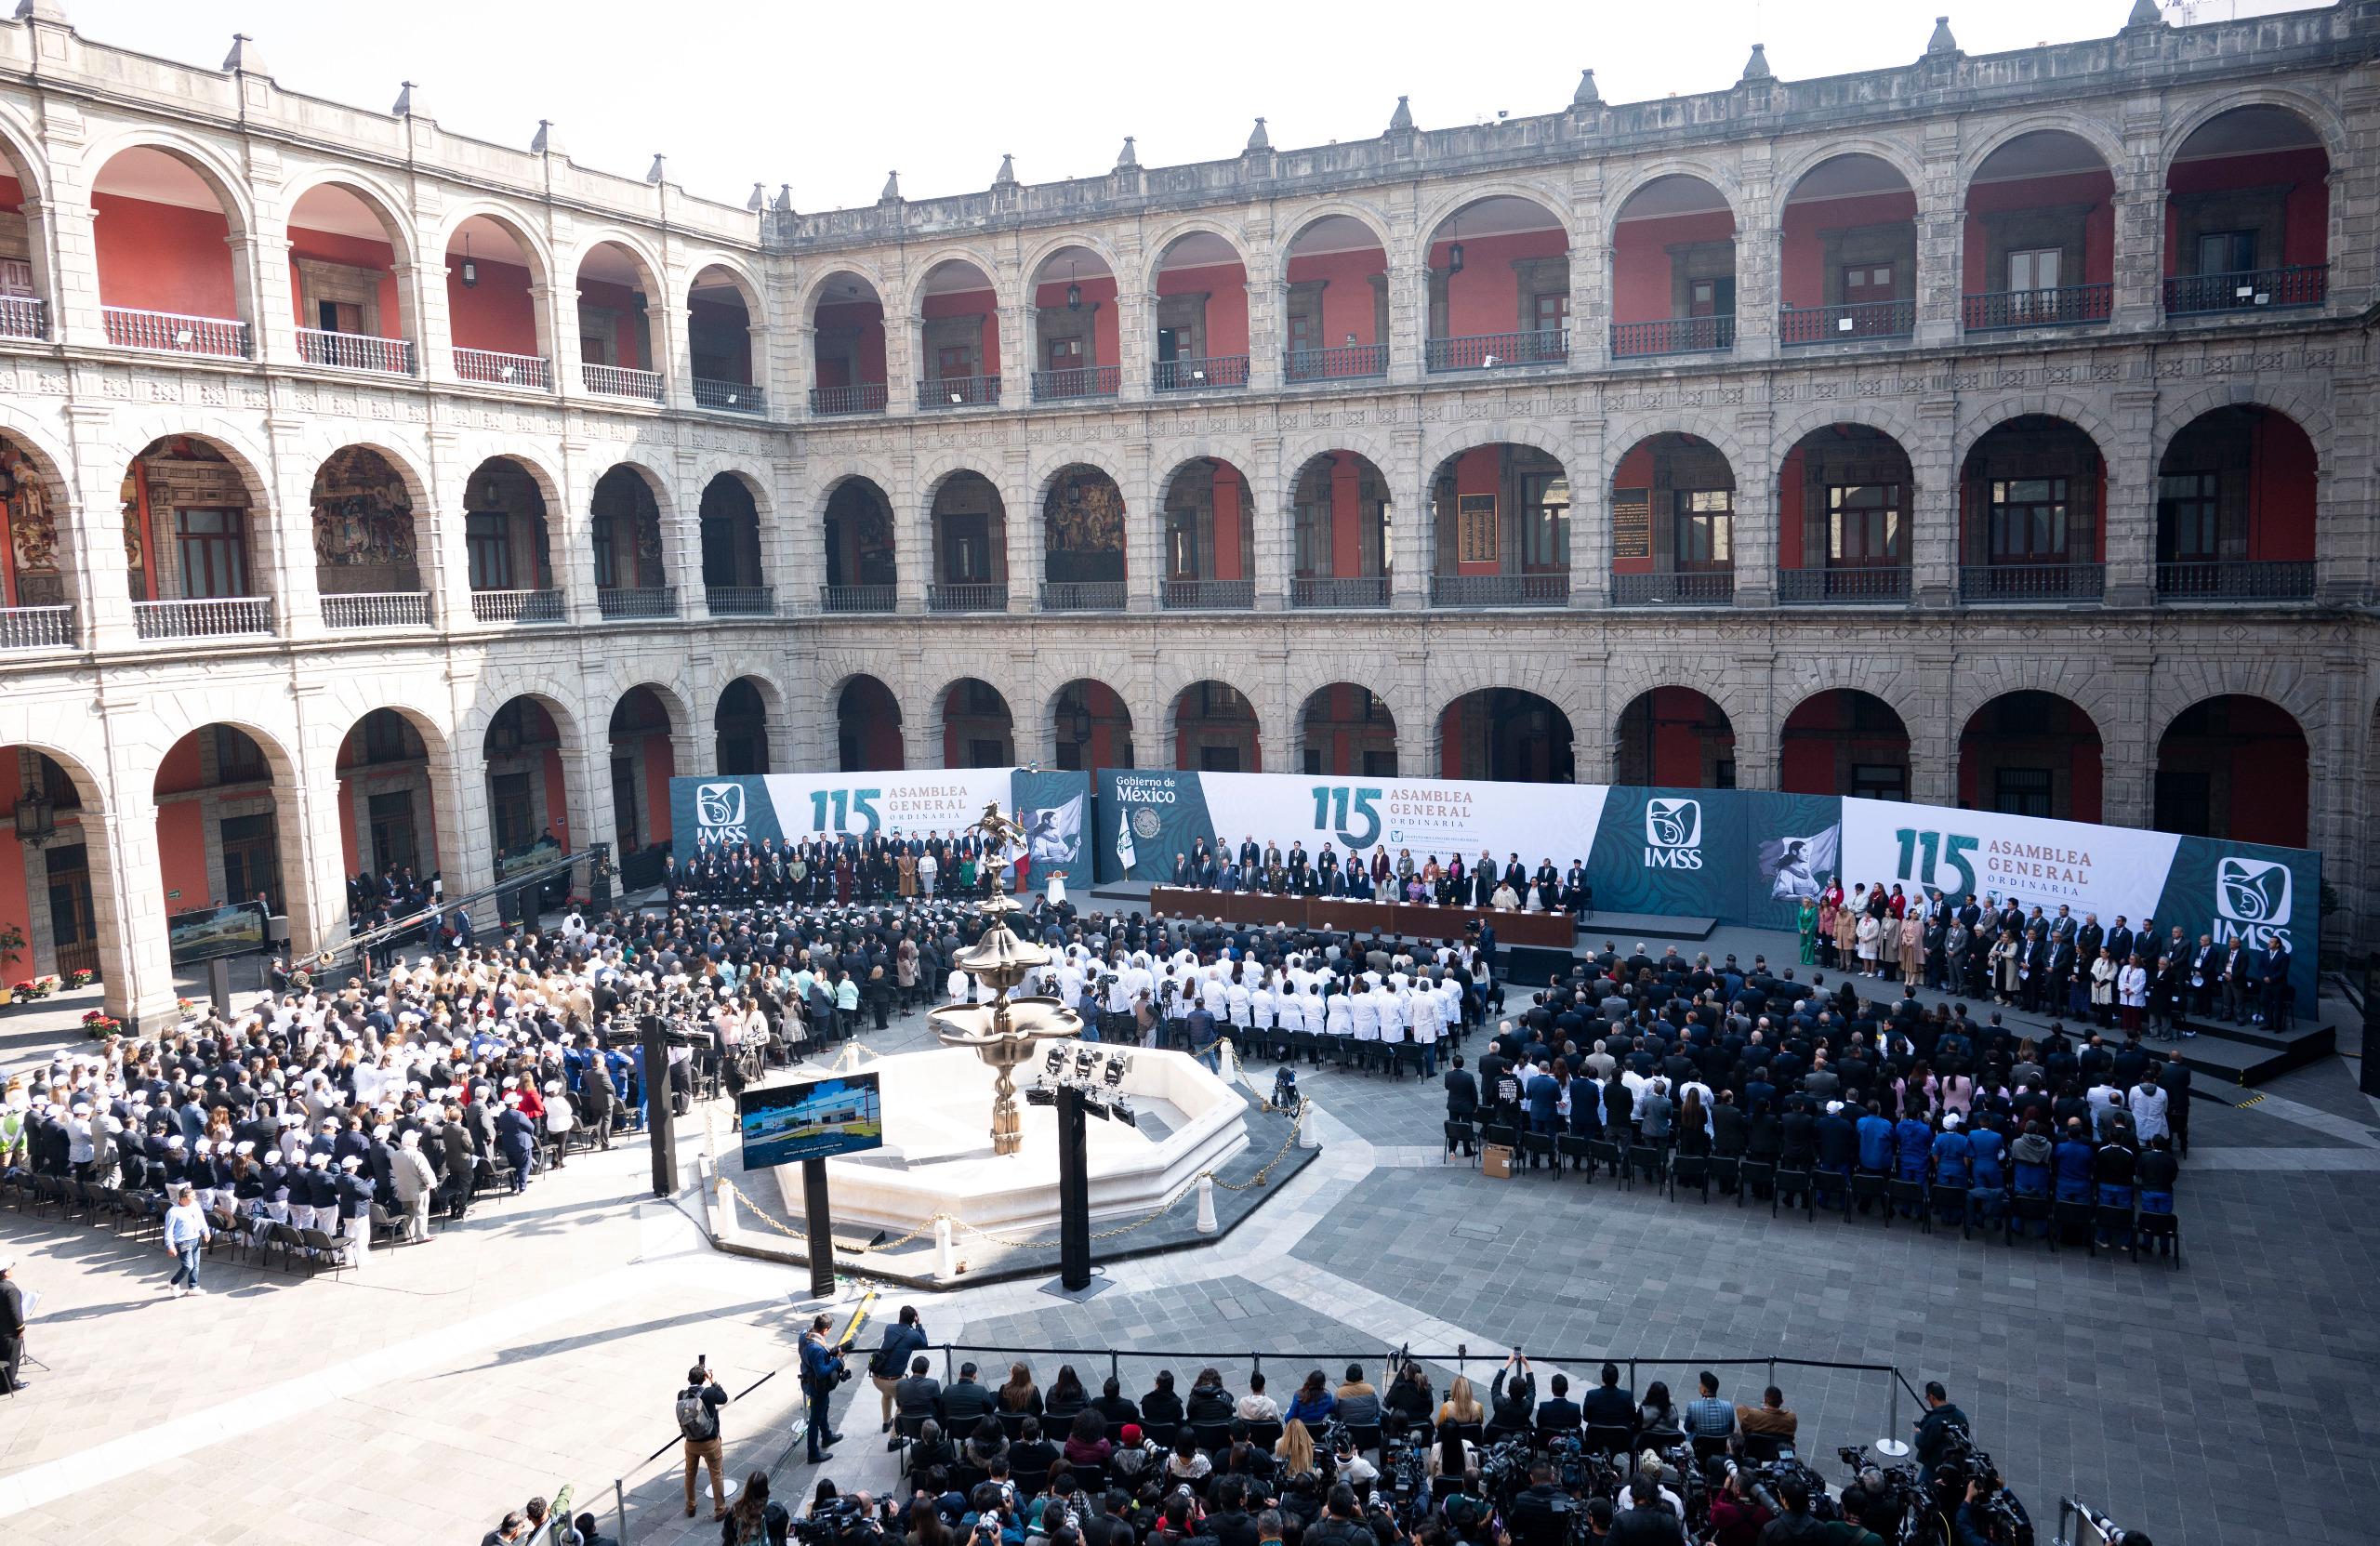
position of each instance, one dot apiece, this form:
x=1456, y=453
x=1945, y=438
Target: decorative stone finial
x=2145, y=13
x=659, y=169
x=784, y=204
x=1941, y=42
x=40, y=10
x=244, y=56
x=1756, y=68
x=1258, y=139
x=1006, y=176
x=1128, y=157
x=892, y=188
x=758, y=202
x=1586, y=96
x=409, y=103
x=1401, y=120
x=547, y=141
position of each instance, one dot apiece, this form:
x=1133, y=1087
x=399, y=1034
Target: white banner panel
x=2105, y=870
x=897, y=804
x=1440, y=816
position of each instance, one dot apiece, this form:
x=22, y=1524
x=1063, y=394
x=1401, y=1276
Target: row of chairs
x=140, y=1216
x=1928, y=1205
x=1319, y=1049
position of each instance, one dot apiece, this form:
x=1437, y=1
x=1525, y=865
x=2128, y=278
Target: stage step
x=2251, y=1054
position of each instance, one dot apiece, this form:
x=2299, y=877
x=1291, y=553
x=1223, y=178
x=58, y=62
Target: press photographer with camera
x=821, y=1371
x=697, y=1413
x=1540, y=1514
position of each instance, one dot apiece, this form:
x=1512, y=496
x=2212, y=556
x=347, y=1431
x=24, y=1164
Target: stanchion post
x=620, y=1508
x=1074, y=1192
x=660, y=1122
x=1892, y=1404
x=820, y=1220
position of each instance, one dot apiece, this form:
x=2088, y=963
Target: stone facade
x=110, y=704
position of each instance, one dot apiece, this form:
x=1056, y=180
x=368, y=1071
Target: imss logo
x=719, y=812
x=2252, y=901
x=1672, y=834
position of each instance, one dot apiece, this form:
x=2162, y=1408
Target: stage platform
x=1133, y=896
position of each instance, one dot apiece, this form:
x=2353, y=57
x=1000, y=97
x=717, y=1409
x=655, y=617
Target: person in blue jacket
x=1951, y=1154
x=2072, y=1163
x=1912, y=1144
x=1986, y=1177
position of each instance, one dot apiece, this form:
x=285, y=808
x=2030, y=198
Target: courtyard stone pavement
x=539, y=1344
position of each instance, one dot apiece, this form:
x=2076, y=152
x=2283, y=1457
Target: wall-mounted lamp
x=471, y=268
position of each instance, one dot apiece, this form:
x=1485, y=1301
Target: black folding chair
x=2027, y=1208
x=1911, y=1194
x=1944, y=1200
x=1801, y=1185
x=1605, y=1153
x=1574, y=1147
x=2157, y=1226
x=2064, y=1215
x=1462, y=1133
x=1755, y=1175
x=1867, y=1186
x=1644, y=1159
x=1540, y=1145
x=1691, y=1171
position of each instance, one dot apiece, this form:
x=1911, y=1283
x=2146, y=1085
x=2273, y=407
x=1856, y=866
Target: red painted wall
x=1104, y=704
x=1640, y=290
x=1346, y=293
x=2095, y=188
x=1788, y=529
x=1677, y=739
x=1480, y=471
x=2280, y=493
x=1804, y=245
x=1346, y=515
x=162, y=257
x=179, y=773
x=1230, y=499
x=2306, y=218
x=15, y=906
x=181, y=857
x=720, y=318
x=1806, y=763
x=12, y=195
x=968, y=303
x=557, y=798
x=629, y=334
x=869, y=317
x=497, y=314
x=1485, y=298
x=660, y=766
x=348, y=843
x=1226, y=288
x=2083, y=765
x=1097, y=291
x=356, y=253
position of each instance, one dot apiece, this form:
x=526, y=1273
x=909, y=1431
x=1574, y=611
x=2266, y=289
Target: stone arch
x=524, y=236
x=2180, y=685
x=1716, y=431
x=1097, y=458
x=2032, y=736
x=913, y=297
x=1996, y=676
x=1156, y=246
x=1297, y=455
x=2318, y=115
x=19, y=147
x=562, y=703
x=1823, y=746
x=816, y=284
x=1176, y=699
x=1892, y=683
x=1642, y=755
x=2180, y=412
x=648, y=263
x=227, y=182
x=1560, y=752
x=1808, y=159
x=874, y=472
x=755, y=304
x=1296, y=223
x=383, y=201
x=1645, y=174
x=673, y=699
x=248, y=457
x=1029, y=268
x=1991, y=414
x=1887, y=416
x=1454, y=200
x=2109, y=146
x=1302, y=706
x=1473, y=436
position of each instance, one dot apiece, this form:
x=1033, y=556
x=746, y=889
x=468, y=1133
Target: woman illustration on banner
x=1806, y=923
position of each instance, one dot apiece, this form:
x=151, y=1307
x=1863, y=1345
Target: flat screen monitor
x=815, y=1119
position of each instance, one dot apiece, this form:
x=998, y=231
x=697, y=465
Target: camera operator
x=1853, y=1530
x=822, y=1370
x=1341, y=1523
x=1737, y=1517
x=697, y=1413
x=1795, y=1525
x=1539, y=1513
x=903, y=1338
x=1934, y=1441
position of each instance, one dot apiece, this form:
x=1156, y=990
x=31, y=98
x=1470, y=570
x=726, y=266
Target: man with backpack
x=697, y=1412
x=822, y=1370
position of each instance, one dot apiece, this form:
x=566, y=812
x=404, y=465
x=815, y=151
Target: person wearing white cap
x=355, y=1209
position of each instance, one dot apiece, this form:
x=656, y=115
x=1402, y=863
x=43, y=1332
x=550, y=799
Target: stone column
x=570, y=532
x=1143, y=530
x=1020, y=528
x=2127, y=747
x=791, y=387
x=1590, y=280
x=2130, y=513
x=904, y=342
x=2344, y=558
x=1759, y=281
x=66, y=219
x=1590, y=476
x=1932, y=739
x=445, y=556
x=1135, y=325
x=1269, y=498
x=93, y=523
x=422, y=287
x=272, y=325
x=558, y=332
x=2139, y=248
x=1409, y=485
x=127, y=904
x=1941, y=242
x=1266, y=308
x=1934, y=498
x=1755, y=516
x=682, y=537
x=1019, y=351
x=288, y=522
x=314, y=868
x=1409, y=317
x=912, y=534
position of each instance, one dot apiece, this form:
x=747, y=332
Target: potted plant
x=30, y=990
x=82, y=976
x=98, y=1024
x=12, y=947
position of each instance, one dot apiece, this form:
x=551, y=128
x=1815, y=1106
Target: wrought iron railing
x=959, y=391
x=622, y=381
x=1677, y=588
x=1339, y=590
x=2237, y=580
x=628, y=602
x=857, y=598
x=390, y=609
x=740, y=600
x=1351, y=362
x=1211, y=374
x=212, y=617
x=36, y=628
x=2066, y=305
x=24, y=317
x=1494, y=351
x=1207, y=595
x=1883, y=582
x=730, y=397
x=355, y=351
x=1546, y=589
x=1085, y=381
x=516, y=606
x=1635, y=340
x=1847, y=323
x=2032, y=582
x=176, y=333
x=968, y=596
x=2270, y=289
x=493, y=368
x=860, y=397
x=1082, y=595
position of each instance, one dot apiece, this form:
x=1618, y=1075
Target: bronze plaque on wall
x=1632, y=523
x=1476, y=529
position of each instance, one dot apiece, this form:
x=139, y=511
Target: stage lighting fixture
x=1084, y=1061
x=1095, y=1105
x=1041, y=1095
x=1056, y=1060
x=1123, y=1112
x=1118, y=1064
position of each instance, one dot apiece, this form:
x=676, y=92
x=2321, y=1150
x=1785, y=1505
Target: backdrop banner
x=1147, y=818
x=1738, y=857
x=707, y=813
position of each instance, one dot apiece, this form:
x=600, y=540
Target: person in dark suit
x=1610, y=1405
x=1558, y=1414
x=517, y=1139
x=12, y=1327
x=1462, y=1099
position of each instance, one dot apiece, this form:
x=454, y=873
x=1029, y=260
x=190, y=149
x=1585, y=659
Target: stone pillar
x=1758, y=737
x=1020, y=529
x=1590, y=280
x=1934, y=499
x=2139, y=250
x=678, y=366
x=1415, y=720
x=570, y=532
x=73, y=292
x=1143, y=530
x=2127, y=746
x=93, y=522
x=421, y=291
x=445, y=554
x=314, y=868
x=2130, y=513
x=904, y=342
x=1759, y=279
x=1941, y=241
x=128, y=901
x=796, y=369
x=1267, y=305
x=297, y=599
x=558, y=330
x=1411, y=555
x=1755, y=515
x=1408, y=316
x=681, y=536
x=2344, y=556
x=1593, y=746
x=1269, y=500
x=1019, y=351
x=1135, y=341
x=1590, y=475
x=1932, y=739
x=912, y=534
x=272, y=327
x=798, y=560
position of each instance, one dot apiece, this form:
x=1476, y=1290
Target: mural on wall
x=362, y=516
x=1087, y=514
x=24, y=503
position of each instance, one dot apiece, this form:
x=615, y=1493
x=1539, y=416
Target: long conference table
x=1352, y=915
